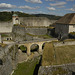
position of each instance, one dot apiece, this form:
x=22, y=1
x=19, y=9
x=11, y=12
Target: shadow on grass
x=37, y=67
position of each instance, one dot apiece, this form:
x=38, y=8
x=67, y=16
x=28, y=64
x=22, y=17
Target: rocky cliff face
x=8, y=59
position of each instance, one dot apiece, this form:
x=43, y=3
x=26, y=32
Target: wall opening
x=23, y=48
x=34, y=48
x=1, y=62
x=73, y=73
x=43, y=46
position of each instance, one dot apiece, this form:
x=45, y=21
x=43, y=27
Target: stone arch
x=23, y=48
x=1, y=62
x=34, y=48
x=43, y=45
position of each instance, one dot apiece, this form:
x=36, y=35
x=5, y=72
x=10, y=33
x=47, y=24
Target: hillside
x=7, y=16
x=51, y=17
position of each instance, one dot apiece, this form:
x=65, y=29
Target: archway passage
x=23, y=48
x=73, y=73
x=1, y=62
x=43, y=45
x=34, y=48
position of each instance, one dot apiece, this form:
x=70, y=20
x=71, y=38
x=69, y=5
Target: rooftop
x=14, y=15
x=67, y=19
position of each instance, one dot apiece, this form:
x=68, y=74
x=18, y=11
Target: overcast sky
x=55, y=7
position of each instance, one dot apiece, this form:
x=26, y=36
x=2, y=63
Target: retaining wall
x=68, y=69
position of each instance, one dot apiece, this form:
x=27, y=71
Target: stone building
x=65, y=25
x=5, y=31
x=15, y=19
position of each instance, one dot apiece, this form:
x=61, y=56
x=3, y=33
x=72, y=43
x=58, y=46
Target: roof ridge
x=72, y=18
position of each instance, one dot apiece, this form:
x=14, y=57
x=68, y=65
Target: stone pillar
x=28, y=50
x=40, y=47
x=0, y=39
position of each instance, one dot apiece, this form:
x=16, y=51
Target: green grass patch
x=58, y=55
x=26, y=68
x=4, y=35
x=48, y=55
x=73, y=33
x=23, y=48
x=40, y=36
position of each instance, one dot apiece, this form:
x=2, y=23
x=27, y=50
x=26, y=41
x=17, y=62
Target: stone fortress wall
x=36, y=21
x=6, y=27
x=20, y=33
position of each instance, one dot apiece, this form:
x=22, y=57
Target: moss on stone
x=59, y=71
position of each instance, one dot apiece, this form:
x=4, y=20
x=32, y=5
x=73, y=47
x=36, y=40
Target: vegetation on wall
x=23, y=48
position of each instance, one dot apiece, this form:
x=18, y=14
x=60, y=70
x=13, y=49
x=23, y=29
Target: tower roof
x=67, y=19
x=14, y=15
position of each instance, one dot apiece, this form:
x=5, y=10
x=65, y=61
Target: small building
x=5, y=31
x=15, y=19
x=65, y=25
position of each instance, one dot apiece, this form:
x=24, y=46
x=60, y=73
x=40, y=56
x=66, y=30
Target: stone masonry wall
x=21, y=33
x=6, y=27
x=68, y=69
x=35, y=21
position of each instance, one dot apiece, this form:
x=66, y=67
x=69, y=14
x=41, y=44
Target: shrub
x=23, y=48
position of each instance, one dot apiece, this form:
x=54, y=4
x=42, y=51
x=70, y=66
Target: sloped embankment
x=58, y=60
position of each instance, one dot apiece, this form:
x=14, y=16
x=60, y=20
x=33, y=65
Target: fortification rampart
x=6, y=27
x=63, y=43
x=21, y=33
x=36, y=21
x=65, y=69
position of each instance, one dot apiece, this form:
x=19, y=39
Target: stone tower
x=15, y=19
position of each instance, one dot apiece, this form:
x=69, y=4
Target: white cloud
x=51, y=8
x=6, y=6
x=28, y=7
x=71, y=9
x=69, y=0
x=53, y=0
x=58, y=4
x=34, y=1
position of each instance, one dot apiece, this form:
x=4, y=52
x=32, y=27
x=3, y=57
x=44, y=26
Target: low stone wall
x=66, y=69
x=8, y=59
x=36, y=31
x=20, y=33
x=64, y=43
x=6, y=27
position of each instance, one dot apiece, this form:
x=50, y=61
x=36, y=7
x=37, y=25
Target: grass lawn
x=40, y=36
x=26, y=68
x=65, y=54
x=58, y=55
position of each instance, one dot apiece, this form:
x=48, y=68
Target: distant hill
x=7, y=16
x=51, y=17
